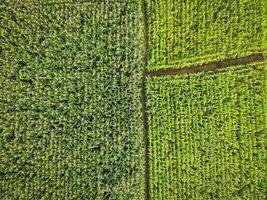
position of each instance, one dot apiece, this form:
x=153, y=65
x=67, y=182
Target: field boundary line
x=144, y=100
x=211, y=66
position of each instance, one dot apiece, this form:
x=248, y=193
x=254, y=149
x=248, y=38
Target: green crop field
x=207, y=134
x=133, y=99
x=71, y=125
x=183, y=33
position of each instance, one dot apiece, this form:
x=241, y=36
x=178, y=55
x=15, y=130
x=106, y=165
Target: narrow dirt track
x=208, y=66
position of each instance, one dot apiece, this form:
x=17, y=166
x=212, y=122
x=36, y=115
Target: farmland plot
x=71, y=125
x=207, y=134
x=189, y=32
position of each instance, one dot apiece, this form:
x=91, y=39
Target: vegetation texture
x=207, y=134
x=71, y=125
x=183, y=32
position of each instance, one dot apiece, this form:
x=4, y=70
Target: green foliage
x=71, y=125
x=183, y=33
x=207, y=134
